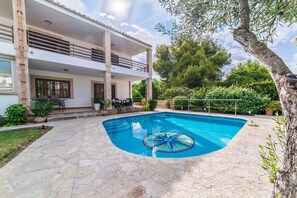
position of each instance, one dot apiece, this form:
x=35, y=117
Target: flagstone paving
x=77, y=159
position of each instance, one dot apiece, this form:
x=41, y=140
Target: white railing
x=205, y=104
x=6, y=33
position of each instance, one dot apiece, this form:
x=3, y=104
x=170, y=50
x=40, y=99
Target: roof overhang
x=75, y=25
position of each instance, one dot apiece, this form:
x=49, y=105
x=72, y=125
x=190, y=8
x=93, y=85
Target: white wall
x=82, y=87
x=6, y=101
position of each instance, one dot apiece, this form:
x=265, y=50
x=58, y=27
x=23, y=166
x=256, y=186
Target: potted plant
x=42, y=110
x=273, y=106
x=106, y=104
x=167, y=104
x=97, y=103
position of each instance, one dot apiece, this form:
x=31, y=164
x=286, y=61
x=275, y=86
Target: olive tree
x=253, y=24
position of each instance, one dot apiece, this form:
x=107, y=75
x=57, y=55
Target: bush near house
x=3, y=121
x=264, y=87
x=42, y=109
x=16, y=114
x=152, y=104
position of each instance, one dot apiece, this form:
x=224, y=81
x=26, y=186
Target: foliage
x=139, y=89
x=179, y=102
x=146, y=108
x=97, y=100
x=274, y=106
x=266, y=87
x=251, y=102
x=136, y=95
x=15, y=114
x=211, y=16
x=107, y=103
x=176, y=91
x=191, y=63
x=269, y=153
x=143, y=102
x=42, y=109
x=12, y=142
x=198, y=94
x=3, y=120
x=244, y=74
x=152, y=104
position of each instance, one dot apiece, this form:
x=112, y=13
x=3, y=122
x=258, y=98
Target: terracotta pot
x=269, y=112
x=39, y=119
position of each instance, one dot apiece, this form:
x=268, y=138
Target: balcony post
x=21, y=47
x=149, y=81
x=107, y=73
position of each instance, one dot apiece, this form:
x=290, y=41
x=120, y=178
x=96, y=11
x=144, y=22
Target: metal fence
x=206, y=105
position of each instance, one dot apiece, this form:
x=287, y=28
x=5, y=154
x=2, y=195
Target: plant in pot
x=106, y=105
x=42, y=110
x=273, y=106
x=97, y=103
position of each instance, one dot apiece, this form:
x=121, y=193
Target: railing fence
x=206, y=105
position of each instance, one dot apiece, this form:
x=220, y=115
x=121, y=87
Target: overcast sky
x=139, y=17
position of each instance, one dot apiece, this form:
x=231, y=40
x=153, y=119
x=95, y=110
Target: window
x=6, y=80
x=99, y=91
x=46, y=87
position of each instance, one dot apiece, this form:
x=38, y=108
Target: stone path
x=77, y=159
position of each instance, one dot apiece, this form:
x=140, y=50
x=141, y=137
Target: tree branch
x=244, y=10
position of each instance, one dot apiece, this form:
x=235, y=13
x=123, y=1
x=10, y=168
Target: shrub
x=152, y=104
x=15, y=114
x=42, y=109
x=264, y=87
x=198, y=94
x=176, y=91
x=179, y=102
x=251, y=101
x=3, y=121
x=146, y=108
x=274, y=106
x=136, y=96
x=143, y=102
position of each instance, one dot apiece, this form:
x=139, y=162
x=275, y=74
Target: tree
x=191, y=63
x=250, y=72
x=139, y=89
x=253, y=23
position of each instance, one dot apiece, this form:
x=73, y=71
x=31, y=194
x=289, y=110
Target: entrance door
x=99, y=91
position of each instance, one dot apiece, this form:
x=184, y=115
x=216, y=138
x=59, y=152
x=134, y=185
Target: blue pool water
x=172, y=135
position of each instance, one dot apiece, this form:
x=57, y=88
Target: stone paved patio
x=77, y=159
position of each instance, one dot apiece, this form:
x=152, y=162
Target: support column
x=21, y=47
x=107, y=73
x=149, y=81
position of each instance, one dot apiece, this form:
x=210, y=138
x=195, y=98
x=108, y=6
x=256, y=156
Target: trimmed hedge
x=251, y=100
x=176, y=91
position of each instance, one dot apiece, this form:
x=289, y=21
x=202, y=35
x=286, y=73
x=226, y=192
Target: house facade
x=47, y=49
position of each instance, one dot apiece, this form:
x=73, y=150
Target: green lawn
x=13, y=142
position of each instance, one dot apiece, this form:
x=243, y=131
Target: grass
x=13, y=142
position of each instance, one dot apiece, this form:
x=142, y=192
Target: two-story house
x=47, y=49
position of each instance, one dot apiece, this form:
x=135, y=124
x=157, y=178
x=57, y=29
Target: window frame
x=12, y=90
x=46, y=80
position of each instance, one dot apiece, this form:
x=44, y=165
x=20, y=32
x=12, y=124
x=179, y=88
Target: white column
x=149, y=81
x=20, y=43
x=107, y=73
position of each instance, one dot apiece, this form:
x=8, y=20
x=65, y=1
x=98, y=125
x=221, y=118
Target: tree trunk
x=286, y=84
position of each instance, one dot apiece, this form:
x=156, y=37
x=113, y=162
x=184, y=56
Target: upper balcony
x=56, y=31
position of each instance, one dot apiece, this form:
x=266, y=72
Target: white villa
x=47, y=49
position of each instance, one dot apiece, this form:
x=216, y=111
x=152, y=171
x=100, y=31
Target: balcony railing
x=6, y=33
x=57, y=45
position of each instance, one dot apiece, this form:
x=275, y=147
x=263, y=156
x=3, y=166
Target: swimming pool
x=172, y=135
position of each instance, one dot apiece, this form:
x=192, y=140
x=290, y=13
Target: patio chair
x=129, y=101
x=56, y=101
x=42, y=98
